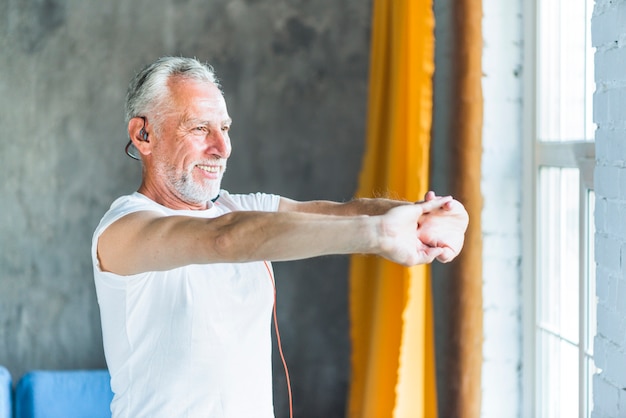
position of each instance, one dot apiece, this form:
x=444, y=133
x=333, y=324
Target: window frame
x=537, y=154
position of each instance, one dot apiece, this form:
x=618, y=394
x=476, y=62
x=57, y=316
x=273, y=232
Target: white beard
x=187, y=189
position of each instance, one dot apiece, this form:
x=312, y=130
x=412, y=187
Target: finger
x=451, y=205
x=437, y=203
x=431, y=253
x=430, y=195
x=446, y=255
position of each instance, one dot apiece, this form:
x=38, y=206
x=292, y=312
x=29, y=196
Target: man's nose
x=219, y=143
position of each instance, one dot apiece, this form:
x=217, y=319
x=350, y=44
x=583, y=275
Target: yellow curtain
x=393, y=372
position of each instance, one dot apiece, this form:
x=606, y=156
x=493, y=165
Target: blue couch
x=5, y=393
x=63, y=394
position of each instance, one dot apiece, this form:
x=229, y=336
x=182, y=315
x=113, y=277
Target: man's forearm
x=281, y=236
x=355, y=207
x=249, y=236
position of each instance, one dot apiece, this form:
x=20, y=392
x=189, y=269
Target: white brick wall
x=501, y=187
x=608, y=27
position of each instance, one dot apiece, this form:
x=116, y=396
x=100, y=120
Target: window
x=559, y=281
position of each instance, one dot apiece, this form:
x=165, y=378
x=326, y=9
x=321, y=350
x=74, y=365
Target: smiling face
x=187, y=160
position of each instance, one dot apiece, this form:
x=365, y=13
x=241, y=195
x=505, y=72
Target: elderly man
x=182, y=267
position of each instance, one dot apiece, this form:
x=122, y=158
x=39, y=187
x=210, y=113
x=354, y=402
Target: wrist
x=371, y=226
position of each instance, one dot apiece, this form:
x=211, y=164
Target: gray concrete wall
x=441, y=181
x=295, y=78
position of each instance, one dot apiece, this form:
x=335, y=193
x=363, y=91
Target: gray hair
x=148, y=91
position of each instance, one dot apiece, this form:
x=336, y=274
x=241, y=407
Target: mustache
x=221, y=162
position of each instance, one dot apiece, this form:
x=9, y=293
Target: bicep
x=148, y=241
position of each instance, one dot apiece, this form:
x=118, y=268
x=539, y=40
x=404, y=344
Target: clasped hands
x=424, y=231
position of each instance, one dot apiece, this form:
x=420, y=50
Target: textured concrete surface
x=441, y=181
x=295, y=77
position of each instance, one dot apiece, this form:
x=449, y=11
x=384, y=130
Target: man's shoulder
x=125, y=205
x=132, y=203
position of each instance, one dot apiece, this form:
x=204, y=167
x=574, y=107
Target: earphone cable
x=280, y=346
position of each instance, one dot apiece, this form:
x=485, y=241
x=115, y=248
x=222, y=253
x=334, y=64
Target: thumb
x=437, y=203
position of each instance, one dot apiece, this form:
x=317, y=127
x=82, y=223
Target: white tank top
x=190, y=342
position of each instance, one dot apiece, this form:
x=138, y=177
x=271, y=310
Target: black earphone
x=144, y=134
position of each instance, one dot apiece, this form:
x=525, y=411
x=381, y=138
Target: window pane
x=559, y=377
x=558, y=285
x=564, y=70
x=565, y=317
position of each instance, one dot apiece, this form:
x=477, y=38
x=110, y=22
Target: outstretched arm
x=441, y=228
x=146, y=241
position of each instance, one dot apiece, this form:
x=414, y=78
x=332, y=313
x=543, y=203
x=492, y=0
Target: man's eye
x=225, y=128
x=200, y=128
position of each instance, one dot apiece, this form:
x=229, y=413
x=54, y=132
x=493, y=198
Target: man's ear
x=139, y=136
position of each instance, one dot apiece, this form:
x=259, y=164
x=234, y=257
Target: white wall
x=502, y=187
x=609, y=38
